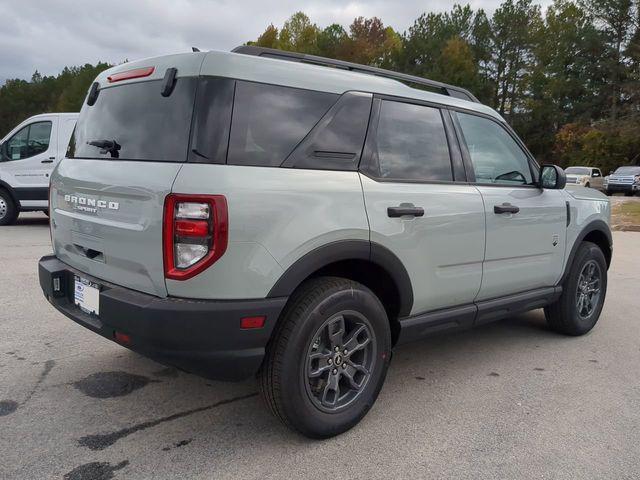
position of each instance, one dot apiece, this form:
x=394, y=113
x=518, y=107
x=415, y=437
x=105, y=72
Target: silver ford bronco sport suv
x=295, y=217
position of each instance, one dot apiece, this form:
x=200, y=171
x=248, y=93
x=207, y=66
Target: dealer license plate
x=86, y=295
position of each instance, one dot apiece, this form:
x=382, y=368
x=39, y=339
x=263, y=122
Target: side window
x=495, y=155
x=29, y=141
x=212, y=120
x=411, y=143
x=596, y=173
x=335, y=143
x=268, y=121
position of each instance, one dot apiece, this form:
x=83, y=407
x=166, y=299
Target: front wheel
x=8, y=209
x=328, y=359
x=583, y=293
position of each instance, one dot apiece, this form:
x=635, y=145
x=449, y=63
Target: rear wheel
x=8, y=209
x=328, y=359
x=587, y=185
x=583, y=293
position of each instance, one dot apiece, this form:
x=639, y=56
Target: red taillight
x=192, y=228
x=195, y=233
x=129, y=74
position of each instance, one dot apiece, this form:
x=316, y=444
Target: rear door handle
x=405, y=209
x=505, y=208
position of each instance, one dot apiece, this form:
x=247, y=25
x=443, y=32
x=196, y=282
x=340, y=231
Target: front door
x=27, y=160
x=526, y=225
x=416, y=208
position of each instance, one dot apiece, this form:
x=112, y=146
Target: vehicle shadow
x=32, y=219
x=233, y=414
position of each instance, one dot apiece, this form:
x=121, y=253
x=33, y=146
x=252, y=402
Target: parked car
x=588, y=177
x=28, y=155
x=295, y=217
x=625, y=180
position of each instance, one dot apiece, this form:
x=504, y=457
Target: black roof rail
x=446, y=89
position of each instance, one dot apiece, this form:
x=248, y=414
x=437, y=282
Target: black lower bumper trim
x=199, y=336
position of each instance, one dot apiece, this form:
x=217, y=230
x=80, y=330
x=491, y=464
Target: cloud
x=48, y=35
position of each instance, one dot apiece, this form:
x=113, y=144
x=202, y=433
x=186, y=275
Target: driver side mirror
x=552, y=177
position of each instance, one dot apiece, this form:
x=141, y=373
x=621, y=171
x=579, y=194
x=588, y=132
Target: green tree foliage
x=567, y=79
x=20, y=99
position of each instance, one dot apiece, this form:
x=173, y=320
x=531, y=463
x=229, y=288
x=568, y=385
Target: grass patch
x=626, y=213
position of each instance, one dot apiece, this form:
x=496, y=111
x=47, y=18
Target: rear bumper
x=201, y=337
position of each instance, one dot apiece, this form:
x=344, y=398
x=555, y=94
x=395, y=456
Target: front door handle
x=505, y=208
x=50, y=160
x=405, y=209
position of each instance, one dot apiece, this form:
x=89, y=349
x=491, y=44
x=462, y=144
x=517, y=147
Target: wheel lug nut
x=344, y=365
x=329, y=361
x=345, y=351
x=337, y=349
x=335, y=370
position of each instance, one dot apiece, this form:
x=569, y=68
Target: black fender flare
x=341, y=250
x=593, y=226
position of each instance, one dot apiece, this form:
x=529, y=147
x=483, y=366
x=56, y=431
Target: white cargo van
x=28, y=155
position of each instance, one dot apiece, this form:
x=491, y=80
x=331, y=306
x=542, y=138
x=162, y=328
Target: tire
x=302, y=343
x=628, y=194
x=568, y=315
x=46, y=212
x=587, y=185
x=8, y=209
x=607, y=193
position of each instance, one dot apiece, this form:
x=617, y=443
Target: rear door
x=27, y=157
x=419, y=205
x=526, y=225
x=108, y=194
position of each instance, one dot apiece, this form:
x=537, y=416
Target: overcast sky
x=49, y=34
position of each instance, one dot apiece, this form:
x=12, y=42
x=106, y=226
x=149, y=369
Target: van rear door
x=108, y=194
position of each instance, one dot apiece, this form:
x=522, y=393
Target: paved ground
x=509, y=400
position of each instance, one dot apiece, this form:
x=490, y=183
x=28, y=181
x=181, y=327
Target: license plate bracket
x=86, y=295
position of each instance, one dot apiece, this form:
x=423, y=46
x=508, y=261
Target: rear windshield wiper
x=107, y=146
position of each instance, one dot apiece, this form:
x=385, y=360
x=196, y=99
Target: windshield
x=578, y=171
x=628, y=171
x=135, y=122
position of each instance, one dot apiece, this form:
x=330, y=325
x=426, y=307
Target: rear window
x=136, y=122
x=268, y=121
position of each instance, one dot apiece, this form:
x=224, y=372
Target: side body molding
x=347, y=250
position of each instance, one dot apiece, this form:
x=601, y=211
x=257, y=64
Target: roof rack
x=446, y=89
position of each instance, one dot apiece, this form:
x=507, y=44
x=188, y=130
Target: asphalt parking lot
x=508, y=400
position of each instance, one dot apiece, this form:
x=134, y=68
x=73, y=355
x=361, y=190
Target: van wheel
x=583, y=293
x=8, y=210
x=328, y=357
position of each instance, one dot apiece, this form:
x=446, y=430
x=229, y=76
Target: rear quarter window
x=268, y=121
x=146, y=125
